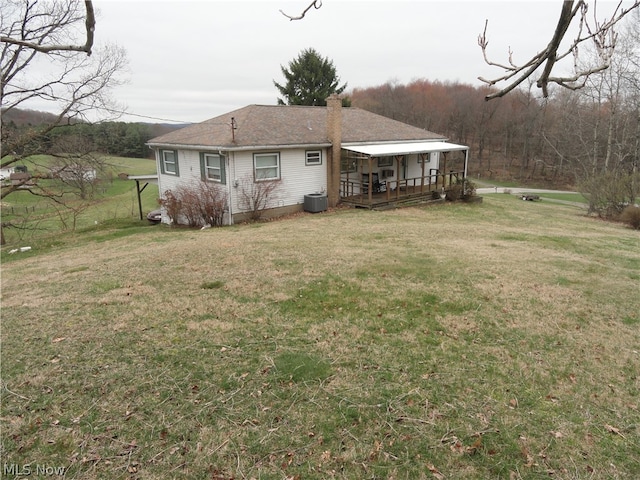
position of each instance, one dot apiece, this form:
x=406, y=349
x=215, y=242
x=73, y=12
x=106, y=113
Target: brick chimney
x=334, y=134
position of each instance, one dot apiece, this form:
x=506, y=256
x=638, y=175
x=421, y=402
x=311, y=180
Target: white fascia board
x=227, y=148
x=406, y=148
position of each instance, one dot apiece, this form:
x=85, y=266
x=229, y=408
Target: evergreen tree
x=310, y=79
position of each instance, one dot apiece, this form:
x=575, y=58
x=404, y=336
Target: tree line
x=561, y=139
x=121, y=139
x=587, y=138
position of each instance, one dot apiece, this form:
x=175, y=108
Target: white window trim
x=165, y=170
x=256, y=156
x=207, y=168
x=317, y=157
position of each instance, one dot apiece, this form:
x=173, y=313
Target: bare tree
x=76, y=166
x=600, y=33
x=62, y=16
x=76, y=82
x=315, y=4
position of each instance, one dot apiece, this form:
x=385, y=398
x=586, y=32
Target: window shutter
x=203, y=170
x=223, y=169
x=175, y=153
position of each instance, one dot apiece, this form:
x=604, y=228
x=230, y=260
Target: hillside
x=26, y=117
x=497, y=340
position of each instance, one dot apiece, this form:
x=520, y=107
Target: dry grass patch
x=488, y=341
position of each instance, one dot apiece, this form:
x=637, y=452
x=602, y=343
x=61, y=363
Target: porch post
x=397, y=159
x=444, y=170
x=423, y=157
x=139, y=196
x=370, y=189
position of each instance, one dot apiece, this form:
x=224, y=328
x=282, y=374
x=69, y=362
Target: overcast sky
x=194, y=60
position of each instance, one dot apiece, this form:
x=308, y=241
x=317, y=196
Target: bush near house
x=196, y=205
x=461, y=190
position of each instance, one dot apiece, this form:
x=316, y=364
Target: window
x=212, y=167
x=348, y=164
x=266, y=166
x=169, y=162
x=385, y=162
x=313, y=157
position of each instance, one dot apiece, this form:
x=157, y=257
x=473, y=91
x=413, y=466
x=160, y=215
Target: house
x=75, y=172
x=349, y=155
x=21, y=179
x=6, y=172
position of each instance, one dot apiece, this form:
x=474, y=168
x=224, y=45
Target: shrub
x=454, y=192
x=198, y=205
x=609, y=193
x=461, y=190
x=256, y=196
x=172, y=205
x=631, y=216
x=213, y=204
x=190, y=202
x=468, y=189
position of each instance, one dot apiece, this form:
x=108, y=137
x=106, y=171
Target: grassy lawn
x=38, y=219
x=499, y=340
x=566, y=197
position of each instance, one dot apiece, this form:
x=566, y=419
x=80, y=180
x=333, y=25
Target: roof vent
x=234, y=127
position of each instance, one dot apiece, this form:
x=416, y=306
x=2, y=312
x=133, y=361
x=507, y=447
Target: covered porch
x=374, y=175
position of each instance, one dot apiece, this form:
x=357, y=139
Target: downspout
x=230, y=186
x=466, y=162
x=156, y=152
x=464, y=178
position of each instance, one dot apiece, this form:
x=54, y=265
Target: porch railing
x=387, y=191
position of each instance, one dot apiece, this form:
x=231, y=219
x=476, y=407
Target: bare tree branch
x=90, y=25
x=601, y=34
x=315, y=4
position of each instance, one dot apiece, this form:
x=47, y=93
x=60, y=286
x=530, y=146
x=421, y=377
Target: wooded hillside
x=559, y=140
x=121, y=139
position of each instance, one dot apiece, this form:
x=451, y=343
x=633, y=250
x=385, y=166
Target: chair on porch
x=377, y=185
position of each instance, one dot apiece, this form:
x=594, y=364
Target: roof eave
x=236, y=148
x=393, y=142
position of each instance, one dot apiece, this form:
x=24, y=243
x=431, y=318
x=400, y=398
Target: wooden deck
x=396, y=192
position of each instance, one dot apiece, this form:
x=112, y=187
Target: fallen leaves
x=456, y=445
x=614, y=430
x=435, y=472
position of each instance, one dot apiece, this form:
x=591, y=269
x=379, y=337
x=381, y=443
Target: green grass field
x=37, y=219
x=566, y=197
x=497, y=340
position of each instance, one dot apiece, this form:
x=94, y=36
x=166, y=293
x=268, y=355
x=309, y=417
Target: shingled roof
x=286, y=125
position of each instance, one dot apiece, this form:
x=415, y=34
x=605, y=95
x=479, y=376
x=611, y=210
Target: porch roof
x=407, y=148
